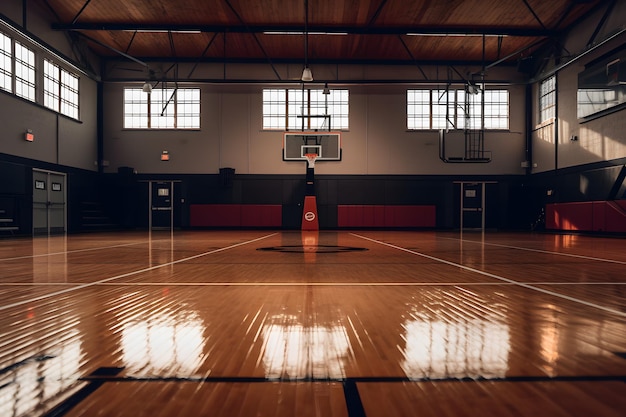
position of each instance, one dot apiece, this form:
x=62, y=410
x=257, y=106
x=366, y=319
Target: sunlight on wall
x=545, y=132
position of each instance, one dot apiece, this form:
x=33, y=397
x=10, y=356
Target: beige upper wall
x=232, y=136
x=599, y=139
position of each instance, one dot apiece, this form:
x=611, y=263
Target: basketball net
x=311, y=157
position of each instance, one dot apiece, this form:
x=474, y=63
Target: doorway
x=163, y=212
x=473, y=196
x=49, y=202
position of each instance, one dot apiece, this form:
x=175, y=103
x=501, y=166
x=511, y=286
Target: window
x=18, y=67
x=60, y=89
x=547, y=99
x=24, y=72
x=165, y=108
x=51, y=81
x=6, y=63
x=457, y=109
x=69, y=94
x=305, y=110
x=496, y=109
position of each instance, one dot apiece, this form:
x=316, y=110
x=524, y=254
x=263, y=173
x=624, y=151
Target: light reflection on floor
x=29, y=384
x=295, y=351
x=165, y=342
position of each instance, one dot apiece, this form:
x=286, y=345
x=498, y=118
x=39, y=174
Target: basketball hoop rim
x=311, y=158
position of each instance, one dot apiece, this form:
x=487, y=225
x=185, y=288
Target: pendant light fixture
x=307, y=75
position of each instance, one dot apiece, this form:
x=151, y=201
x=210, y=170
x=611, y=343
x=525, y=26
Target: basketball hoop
x=311, y=157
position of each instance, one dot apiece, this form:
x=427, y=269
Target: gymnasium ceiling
x=339, y=31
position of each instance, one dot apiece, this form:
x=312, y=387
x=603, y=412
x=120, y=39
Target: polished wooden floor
x=262, y=323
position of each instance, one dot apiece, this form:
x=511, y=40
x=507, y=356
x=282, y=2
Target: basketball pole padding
x=309, y=214
x=310, y=221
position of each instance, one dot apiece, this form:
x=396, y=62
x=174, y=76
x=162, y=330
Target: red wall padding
x=235, y=215
x=385, y=216
x=592, y=216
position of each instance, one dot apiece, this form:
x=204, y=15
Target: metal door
x=49, y=202
x=161, y=208
x=472, y=203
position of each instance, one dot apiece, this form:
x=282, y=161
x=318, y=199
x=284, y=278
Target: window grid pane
x=418, y=109
x=274, y=109
x=296, y=109
x=547, y=99
x=162, y=111
x=162, y=108
x=24, y=72
x=135, y=108
x=6, y=63
x=69, y=94
x=51, y=83
x=455, y=109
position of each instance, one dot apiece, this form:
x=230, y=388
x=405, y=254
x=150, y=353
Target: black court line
x=386, y=379
x=352, y=397
x=99, y=378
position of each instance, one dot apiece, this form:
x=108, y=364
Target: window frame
x=24, y=72
x=290, y=109
x=180, y=112
x=546, y=99
x=6, y=57
x=426, y=111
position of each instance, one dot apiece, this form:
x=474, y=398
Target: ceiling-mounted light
x=307, y=75
x=147, y=88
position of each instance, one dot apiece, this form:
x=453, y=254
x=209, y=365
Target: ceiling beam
x=354, y=30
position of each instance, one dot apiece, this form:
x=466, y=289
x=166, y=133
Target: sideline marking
x=572, y=255
x=90, y=284
x=487, y=274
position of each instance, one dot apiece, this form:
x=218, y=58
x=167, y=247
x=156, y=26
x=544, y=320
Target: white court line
x=571, y=255
x=487, y=274
x=74, y=251
x=90, y=284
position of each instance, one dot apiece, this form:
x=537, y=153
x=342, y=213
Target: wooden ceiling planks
x=372, y=19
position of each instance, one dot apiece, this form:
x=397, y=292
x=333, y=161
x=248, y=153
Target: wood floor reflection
x=264, y=323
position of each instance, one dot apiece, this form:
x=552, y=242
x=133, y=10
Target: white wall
x=231, y=136
x=600, y=139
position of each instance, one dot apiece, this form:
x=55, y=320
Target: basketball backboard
x=296, y=145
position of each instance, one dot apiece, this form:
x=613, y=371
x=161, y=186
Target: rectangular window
x=69, y=94
x=6, y=63
x=60, y=89
x=457, y=109
x=295, y=109
x=496, y=109
x=164, y=108
x=274, y=109
x=24, y=72
x=547, y=99
x=51, y=83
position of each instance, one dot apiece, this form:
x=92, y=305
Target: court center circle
x=312, y=249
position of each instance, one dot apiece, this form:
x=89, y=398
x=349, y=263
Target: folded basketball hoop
x=311, y=157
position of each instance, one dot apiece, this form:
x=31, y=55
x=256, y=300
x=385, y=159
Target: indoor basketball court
x=326, y=323
x=314, y=209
